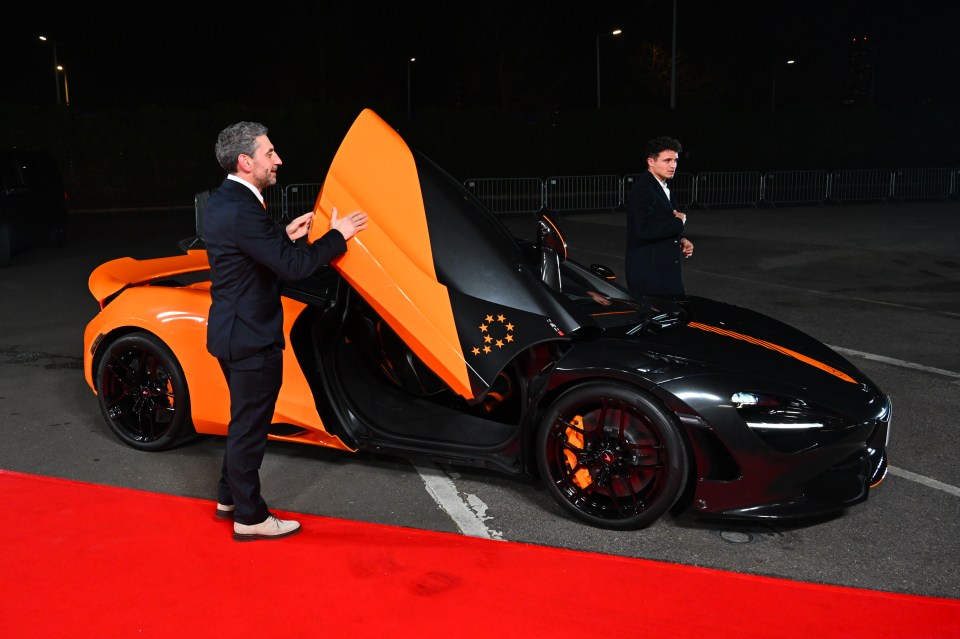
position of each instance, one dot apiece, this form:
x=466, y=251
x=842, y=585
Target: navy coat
x=249, y=255
x=653, y=252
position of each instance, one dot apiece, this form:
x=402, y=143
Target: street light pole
x=66, y=87
x=409, y=66
x=615, y=32
x=773, y=87
x=56, y=67
x=773, y=93
x=598, y=72
x=673, y=61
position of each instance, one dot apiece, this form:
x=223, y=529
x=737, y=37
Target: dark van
x=33, y=201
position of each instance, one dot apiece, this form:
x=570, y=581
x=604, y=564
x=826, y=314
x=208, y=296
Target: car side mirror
x=603, y=271
x=549, y=237
x=550, y=268
x=553, y=250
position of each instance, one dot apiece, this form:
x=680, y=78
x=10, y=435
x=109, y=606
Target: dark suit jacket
x=653, y=240
x=248, y=256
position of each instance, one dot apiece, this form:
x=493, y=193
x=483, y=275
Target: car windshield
x=608, y=305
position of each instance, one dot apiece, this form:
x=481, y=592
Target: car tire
x=143, y=393
x=611, y=456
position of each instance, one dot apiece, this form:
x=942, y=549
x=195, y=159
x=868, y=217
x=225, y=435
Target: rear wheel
x=611, y=456
x=143, y=393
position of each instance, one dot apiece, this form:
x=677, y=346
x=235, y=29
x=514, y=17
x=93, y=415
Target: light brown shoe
x=270, y=528
x=225, y=511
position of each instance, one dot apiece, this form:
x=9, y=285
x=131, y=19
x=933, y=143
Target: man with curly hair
x=655, y=242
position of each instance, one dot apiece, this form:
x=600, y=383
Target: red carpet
x=81, y=560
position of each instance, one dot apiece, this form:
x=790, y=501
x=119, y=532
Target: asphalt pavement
x=879, y=282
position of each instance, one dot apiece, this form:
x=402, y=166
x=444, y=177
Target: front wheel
x=611, y=456
x=143, y=393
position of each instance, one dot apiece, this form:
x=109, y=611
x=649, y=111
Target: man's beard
x=266, y=181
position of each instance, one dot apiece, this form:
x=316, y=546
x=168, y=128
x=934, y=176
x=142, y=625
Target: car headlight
x=787, y=424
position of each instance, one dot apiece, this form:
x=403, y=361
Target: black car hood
x=746, y=343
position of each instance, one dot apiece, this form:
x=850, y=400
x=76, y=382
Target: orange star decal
x=495, y=330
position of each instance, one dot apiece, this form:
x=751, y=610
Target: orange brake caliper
x=582, y=477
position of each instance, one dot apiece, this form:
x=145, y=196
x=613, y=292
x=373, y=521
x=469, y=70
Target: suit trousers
x=254, y=384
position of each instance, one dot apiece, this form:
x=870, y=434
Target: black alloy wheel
x=611, y=456
x=143, y=393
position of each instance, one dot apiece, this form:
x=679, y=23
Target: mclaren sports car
x=441, y=335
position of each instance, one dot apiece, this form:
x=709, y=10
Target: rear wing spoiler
x=110, y=278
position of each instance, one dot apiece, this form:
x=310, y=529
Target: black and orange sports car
x=439, y=334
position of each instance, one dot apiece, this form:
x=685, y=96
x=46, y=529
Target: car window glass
x=577, y=280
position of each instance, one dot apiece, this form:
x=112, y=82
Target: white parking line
x=926, y=481
x=900, y=472
x=467, y=514
x=896, y=362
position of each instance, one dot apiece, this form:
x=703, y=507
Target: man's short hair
x=658, y=145
x=236, y=139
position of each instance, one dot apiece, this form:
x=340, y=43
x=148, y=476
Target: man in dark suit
x=655, y=241
x=249, y=254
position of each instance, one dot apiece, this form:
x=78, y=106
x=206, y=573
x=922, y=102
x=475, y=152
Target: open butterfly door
x=433, y=262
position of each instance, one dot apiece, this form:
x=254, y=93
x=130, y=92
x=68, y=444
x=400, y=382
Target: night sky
x=536, y=56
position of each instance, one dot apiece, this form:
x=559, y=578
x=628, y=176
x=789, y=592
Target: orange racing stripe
x=774, y=347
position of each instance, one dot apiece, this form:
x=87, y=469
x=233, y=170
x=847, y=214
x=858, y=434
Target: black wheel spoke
x=569, y=425
x=617, y=502
x=121, y=373
x=634, y=498
x=579, y=452
x=602, y=417
x=119, y=398
x=642, y=457
x=143, y=425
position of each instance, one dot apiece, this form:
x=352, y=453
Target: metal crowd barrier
x=923, y=184
x=729, y=188
x=200, y=201
x=862, y=185
x=300, y=198
x=682, y=187
x=583, y=192
x=610, y=192
x=508, y=195
x=795, y=187
x=275, y=198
